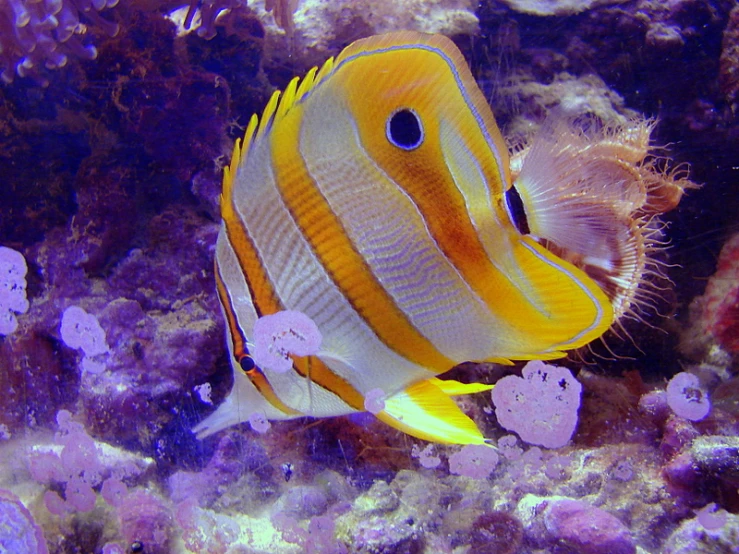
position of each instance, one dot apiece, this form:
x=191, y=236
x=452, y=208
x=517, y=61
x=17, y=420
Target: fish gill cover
x=116, y=122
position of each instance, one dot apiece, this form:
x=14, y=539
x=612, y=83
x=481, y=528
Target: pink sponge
x=686, y=397
x=82, y=330
x=279, y=335
x=13, y=271
x=541, y=406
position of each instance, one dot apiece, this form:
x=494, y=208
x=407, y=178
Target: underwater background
x=116, y=121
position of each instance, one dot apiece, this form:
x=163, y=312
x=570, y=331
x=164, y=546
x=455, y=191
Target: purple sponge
x=541, y=406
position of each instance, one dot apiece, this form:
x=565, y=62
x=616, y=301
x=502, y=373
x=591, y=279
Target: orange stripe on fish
x=263, y=296
x=241, y=353
x=344, y=264
x=315, y=371
x=260, y=288
x=238, y=340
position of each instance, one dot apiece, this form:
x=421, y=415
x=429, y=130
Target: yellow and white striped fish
x=371, y=196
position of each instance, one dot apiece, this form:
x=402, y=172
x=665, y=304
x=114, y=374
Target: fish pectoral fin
x=425, y=410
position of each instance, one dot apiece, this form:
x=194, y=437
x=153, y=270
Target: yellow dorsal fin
x=240, y=147
x=325, y=70
x=425, y=411
x=279, y=105
x=268, y=114
x=306, y=84
x=288, y=99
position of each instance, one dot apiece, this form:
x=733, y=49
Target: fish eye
x=404, y=129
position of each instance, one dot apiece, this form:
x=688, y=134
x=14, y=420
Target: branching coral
x=209, y=10
x=44, y=33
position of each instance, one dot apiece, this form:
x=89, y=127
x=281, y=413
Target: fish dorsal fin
x=279, y=105
x=277, y=108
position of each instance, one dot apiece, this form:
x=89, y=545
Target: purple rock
x=35, y=382
x=304, y=501
x=233, y=458
x=693, y=537
x=163, y=328
x=587, y=529
x=145, y=518
x=19, y=533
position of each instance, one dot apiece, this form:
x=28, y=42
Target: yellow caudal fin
x=424, y=410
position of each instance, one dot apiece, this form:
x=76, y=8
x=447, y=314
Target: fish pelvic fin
x=425, y=410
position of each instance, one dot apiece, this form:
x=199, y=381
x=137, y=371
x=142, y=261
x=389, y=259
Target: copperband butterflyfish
x=371, y=198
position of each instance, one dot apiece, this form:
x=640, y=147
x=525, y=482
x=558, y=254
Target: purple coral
x=374, y=401
x=278, y=335
x=46, y=32
x=710, y=517
x=476, y=461
x=77, y=467
x=82, y=330
x=259, y=422
x=426, y=456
